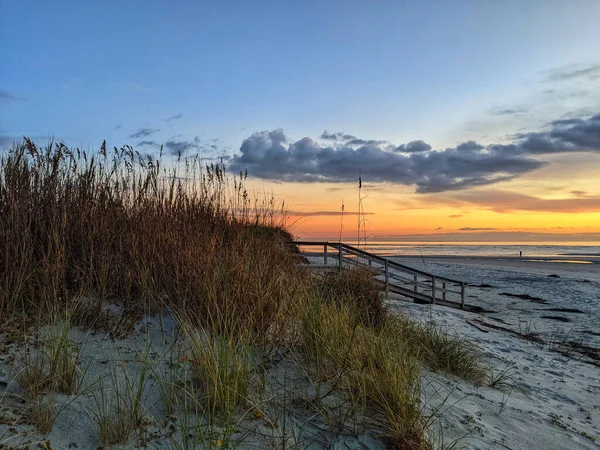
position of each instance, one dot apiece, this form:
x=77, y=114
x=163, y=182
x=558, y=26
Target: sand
x=552, y=400
x=289, y=417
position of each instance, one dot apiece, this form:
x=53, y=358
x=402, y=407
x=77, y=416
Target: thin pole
x=433, y=289
x=462, y=295
x=443, y=291
x=325, y=253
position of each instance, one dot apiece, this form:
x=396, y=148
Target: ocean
x=574, y=252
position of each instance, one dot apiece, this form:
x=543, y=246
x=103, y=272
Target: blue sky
x=434, y=70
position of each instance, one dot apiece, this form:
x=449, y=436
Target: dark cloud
x=175, y=117
x=455, y=216
x=469, y=146
x=569, y=73
x=477, y=229
x=565, y=135
x=271, y=155
x=438, y=229
x=357, y=141
x=143, y=132
x=579, y=193
x=413, y=147
x=181, y=147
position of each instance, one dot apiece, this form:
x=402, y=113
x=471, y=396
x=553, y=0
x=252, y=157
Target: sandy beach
x=549, y=401
x=552, y=400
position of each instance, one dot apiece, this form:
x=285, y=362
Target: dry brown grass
x=121, y=226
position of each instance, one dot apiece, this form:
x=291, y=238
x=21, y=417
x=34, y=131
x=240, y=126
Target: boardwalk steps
x=418, y=285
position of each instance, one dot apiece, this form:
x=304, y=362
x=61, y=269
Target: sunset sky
x=465, y=119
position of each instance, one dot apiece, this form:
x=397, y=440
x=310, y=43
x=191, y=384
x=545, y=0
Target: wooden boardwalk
x=418, y=285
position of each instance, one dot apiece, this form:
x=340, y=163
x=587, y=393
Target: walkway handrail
x=373, y=256
x=391, y=272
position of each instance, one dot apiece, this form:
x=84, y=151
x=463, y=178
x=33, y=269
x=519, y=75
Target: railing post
x=433, y=289
x=462, y=295
x=325, y=254
x=340, y=257
x=444, y=291
x=415, y=278
x=387, y=277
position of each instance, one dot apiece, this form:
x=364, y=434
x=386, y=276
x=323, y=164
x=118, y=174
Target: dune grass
x=80, y=231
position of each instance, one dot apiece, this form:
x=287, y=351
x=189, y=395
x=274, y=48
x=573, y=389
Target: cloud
x=438, y=229
x=477, y=229
x=147, y=143
x=336, y=136
x=569, y=73
x=271, y=155
x=181, y=147
x=565, y=135
x=579, y=193
x=515, y=111
x=506, y=202
x=413, y=146
x=357, y=141
x=6, y=97
x=143, y=132
x=455, y=216
x=327, y=213
x=175, y=117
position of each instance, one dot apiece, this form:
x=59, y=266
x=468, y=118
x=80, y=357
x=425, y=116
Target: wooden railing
x=417, y=284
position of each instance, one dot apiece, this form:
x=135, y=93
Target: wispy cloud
x=514, y=111
x=477, y=229
x=8, y=97
x=455, y=216
x=181, y=147
x=143, y=132
x=147, y=144
x=501, y=201
x=590, y=72
x=327, y=213
x=175, y=117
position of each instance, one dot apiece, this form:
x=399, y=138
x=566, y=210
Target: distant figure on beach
x=520, y=253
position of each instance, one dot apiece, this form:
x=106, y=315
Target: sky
x=465, y=120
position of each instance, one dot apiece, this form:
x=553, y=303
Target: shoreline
x=567, y=259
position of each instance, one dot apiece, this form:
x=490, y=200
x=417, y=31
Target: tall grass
x=119, y=225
